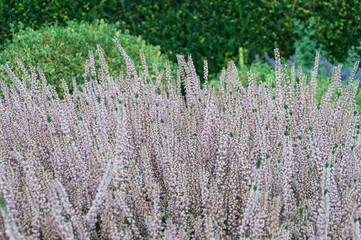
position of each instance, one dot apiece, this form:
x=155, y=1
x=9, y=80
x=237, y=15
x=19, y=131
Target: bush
x=128, y=160
x=306, y=45
x=61, y=51
x=19, y=14
x=211, y=29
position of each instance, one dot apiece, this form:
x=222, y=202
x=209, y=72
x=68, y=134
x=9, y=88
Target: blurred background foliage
x=57, y=34
x=61, y=52
x=211, y=29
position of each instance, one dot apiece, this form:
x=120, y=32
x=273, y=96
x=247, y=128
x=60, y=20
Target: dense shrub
x=19, y=14
x=61, y=51
x=213, y=29
x=122, y=159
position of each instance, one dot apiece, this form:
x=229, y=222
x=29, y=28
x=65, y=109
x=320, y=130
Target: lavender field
x=134, y=158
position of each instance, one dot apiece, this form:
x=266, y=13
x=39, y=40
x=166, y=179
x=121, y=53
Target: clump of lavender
x=126, y=159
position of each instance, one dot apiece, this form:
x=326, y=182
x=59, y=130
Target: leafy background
x=212, y=29
x=61, y=52
x=42, y=31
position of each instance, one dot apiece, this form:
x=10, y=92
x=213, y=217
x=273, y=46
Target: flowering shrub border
x=126, y=159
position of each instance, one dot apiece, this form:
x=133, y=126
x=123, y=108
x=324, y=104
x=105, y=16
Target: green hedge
x=62, y=51
x=213, y=29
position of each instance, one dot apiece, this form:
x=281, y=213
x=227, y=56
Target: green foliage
x=211, y=29
x=306, y=46
x=62, y=51
x=353, y=55
x=19, y=14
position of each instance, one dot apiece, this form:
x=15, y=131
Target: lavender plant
x=125, y=159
